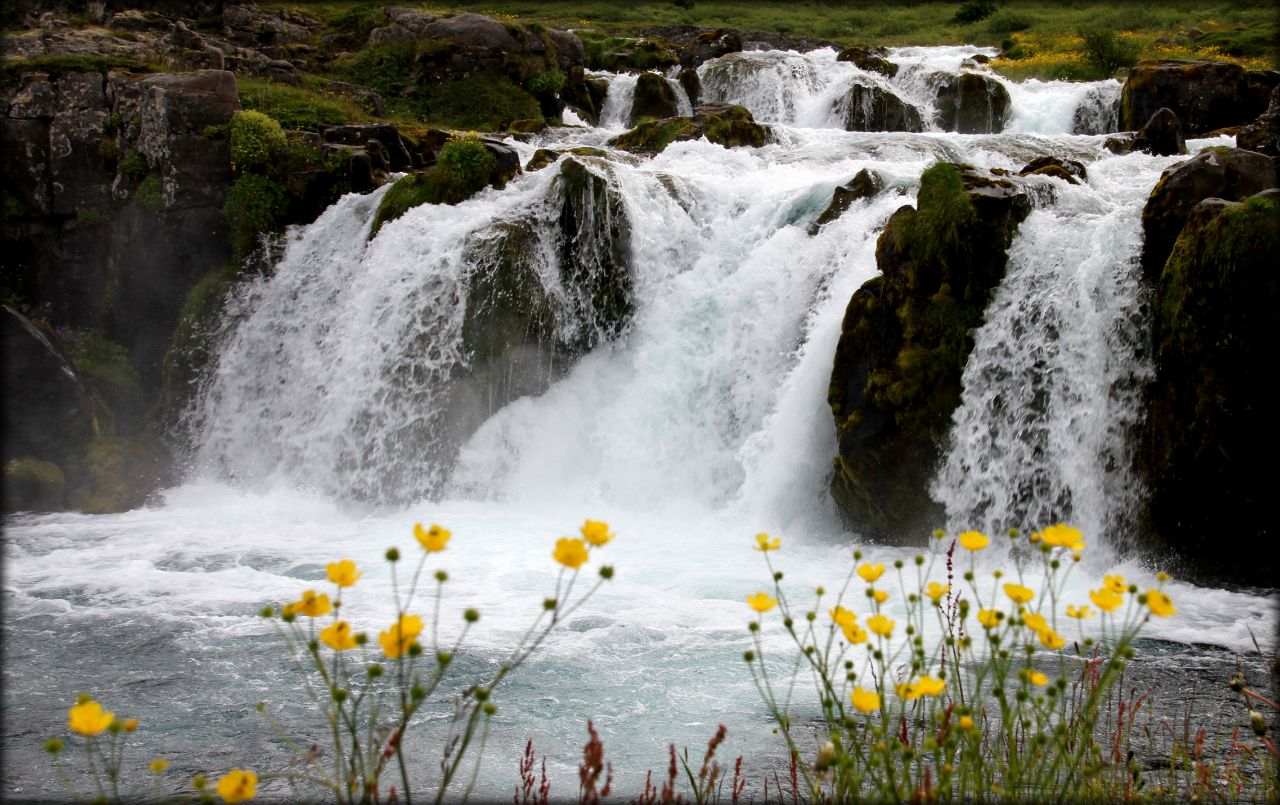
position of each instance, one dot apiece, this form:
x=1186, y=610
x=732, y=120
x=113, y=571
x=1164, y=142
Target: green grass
x=296, y=107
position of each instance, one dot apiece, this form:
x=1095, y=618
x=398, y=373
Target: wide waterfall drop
x=642, y=340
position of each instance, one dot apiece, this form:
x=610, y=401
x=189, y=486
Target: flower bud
x=53, y=746
x=199, y=782
x=361, y=638
x=415, y=650
x=84, y=698
x=418, y=693
x=754, y=626
x=919, y=559
x=490, y=708
x=339, y=695
x=826, y=756
x=471, y=615
x=374, y=671
x=749, y=656
x=777, y=576
x=393, y=554
x=606, y=572
x=131, y=725
x=1257, y=723
x=443, y=658
x=481, y=694
x=820, y=591
x=442, y=576
x=548, y=604
x=266, y=612
x=897, y=563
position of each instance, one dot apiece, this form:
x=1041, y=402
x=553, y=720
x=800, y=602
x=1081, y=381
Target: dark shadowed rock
x=721, y=123
x=710, y=45
x=396, y=150
x=1067, y=169
x=870, y=59
x=1205, y=95
x=1263, y=134
x=692, y=85
x=970, y=103
x=865, y=184
x=654, y=99
x=1161, y=136
x=871, y=108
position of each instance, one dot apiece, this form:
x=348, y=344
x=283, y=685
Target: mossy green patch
x=150, y=193
x=481, y=102
x=62, y=64
x=654, y=136
x=191, y=343
x=32, y=484
x=944, y=215
x=295, y=107
x=256, y=140
x=255, y=204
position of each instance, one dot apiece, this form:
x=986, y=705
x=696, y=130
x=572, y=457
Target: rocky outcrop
x=870, y=59
x=1205, y=95
x=1263, y=134
x=1211, y=426
x=724, y=124
x=904, y=342
x=865, y=184
x=872, y=108
x=970, y=103
x=654, y=99
x=1227, y=173
x=709, y=45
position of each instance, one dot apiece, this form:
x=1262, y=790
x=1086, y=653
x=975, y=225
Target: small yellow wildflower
x=865, y=700
x=338, y=636
x=854, y=634
x=343, y=573
x=1080, y=613
x=131, y=725
x=311, y=604
x=880, y=595
x=966, y=723
x=974, y=540
x=990, y=618
x=1035, y=621
x=402, y=634
x=761, y=602
x=1018, y=593
x=1115, y=584
x=596, y=533
x=570, y=552
x=764, y=543
x=936, y=590
x=928, y=686
x=1162, y=576
x=1161, y=605
x=842, y=616
x=880, y=625
x=237, y=785
x=88, y=718
x=433, y=539
x=1063, y=536
x=158, y=765
x=905, y=690
x=1050, y=639
x=870, y=572
x=1037, y=678
x=1106, y=598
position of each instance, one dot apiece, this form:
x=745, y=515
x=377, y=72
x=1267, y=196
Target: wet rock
x=871, y=108
x=691, y=83
x=870, y=59
x=866, y=184
x=725, y=124
x=541, y=159
x=1066, y=169
x=396, y=150
x=1263, y=134
x=654, y=99
x=33, y=485
x=1205, y=95
x=1097, y=113
x=1161, y=136
x=970, y=103
x=710, y=45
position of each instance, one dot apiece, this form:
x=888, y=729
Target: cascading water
x=665, y=369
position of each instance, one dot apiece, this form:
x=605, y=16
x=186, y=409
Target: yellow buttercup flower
x=131, y=725
x=880, y=625
x=854, y=634
x=431, y=539
x=990, y=618
x=1115, y=584
x=311, y=604
x=842, y=616
x=870, y=572
x=1080, y=613
x=237, y=785
x=1162, y=576
x=88, y=718
x=973, y=540
x=338, y=636
x=1037, y=678
x=596, y=533
x=936, y=590
x=761, y=602
x=1018, y=593
x=905, y=690
x=343, y=573
x=764, y=543
x=158, y=765
x=1106, y=599
x=1063, y=536
x=1161, y=605
x=1050, y=639
x=880, y=595
x=402, y=634
x=966, y=723
x=928, y=686
x=570, y=552
x=865, y=701
x=1035, y=621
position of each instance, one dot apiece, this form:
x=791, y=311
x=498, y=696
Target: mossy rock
x=529, y=126
x=904, y=342
x=190, y=348
x=654, y=99
x=117, y=474
x=653, y=137
x=32, y=484
x=724, y=124
x=1210, y=421
x=1205, y=95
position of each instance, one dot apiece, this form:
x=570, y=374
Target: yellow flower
x=880, y=595
x=1051, y=639
x=311, y=604
x=402, y=634
x=1035, y=621
x=433, y=539
x=596, y=533
x=966, y=723
x=926, y=685
x=842, y=616
x=870, y=572
x=338, y=636
x=1063, y=536
x=237, y=785
x=764, y=543
x=570, y=552
x=1161, y=605
x=990, y=618
x=131, y=725
x=88, y=718
x=880, y=625
x=905, y=690
x=1105, y=598
x=936, y=590
x=974, y=540
x=158, y=765
x=1115, y=584
x=865, y=700
x=761, y=602
x=344, y=573
x=854, y=634
x=1084, y=611
x=1018, y=593
x=1037, y=678
x=1162, y=576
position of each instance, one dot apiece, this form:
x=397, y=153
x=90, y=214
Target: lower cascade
x=647, y=340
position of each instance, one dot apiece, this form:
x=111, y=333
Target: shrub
x=1009, y=22
x=134, y=166
x=467, y=162
x=255, y=204
x=975, y=10
x=549, y=82
x=256, y=140
x=1105, y=51
x=150, y=193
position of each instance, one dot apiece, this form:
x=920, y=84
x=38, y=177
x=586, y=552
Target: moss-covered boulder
x=117, y=474
x=1205, y=95
x=872, y=108
x=1068, y=170
x=464, y=166
x=970, y=103
x=33, y=485
x=904, y=342
x=710, y=45
x=722, y=123
x=1227, y=173
x=190, y=349
x=1211, y=425
x=870, y=59
x=654, y=99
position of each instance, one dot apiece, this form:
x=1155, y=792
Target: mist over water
x=324, y=431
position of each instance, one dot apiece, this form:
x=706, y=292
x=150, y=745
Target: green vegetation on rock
x=463, y=168
x=256, y=140
x=255, y=204
x=295, y=106
x=150, y=193
x=31, y=484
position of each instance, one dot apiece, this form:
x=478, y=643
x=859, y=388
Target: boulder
x=904, y=342
x=396, y=151
x=1069, y=170
x=870, y=59
x=654, y=99
x=710, y=45
x=1226, y=173
x=1263, y=134
x=176, y=111
x=969, y=103
x=721, y=123
x=31, y=484
x=691, y=83
x=1205, y=95
x=865, y=184
x=1210, y=424
x=1161, y=135
x=871, y=108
